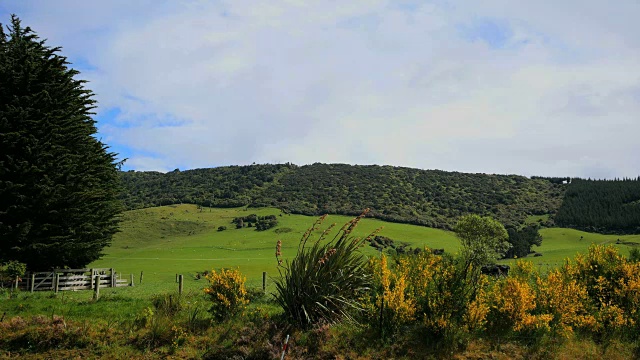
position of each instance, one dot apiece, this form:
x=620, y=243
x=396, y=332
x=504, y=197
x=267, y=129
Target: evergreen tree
x=522, y=240
x=58, y=183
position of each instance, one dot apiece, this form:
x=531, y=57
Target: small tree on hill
x=59, y=185
x=483, y=240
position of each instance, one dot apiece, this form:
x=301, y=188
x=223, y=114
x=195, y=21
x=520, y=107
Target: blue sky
x=532, y=88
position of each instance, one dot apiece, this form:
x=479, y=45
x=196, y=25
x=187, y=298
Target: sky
x=548, y=88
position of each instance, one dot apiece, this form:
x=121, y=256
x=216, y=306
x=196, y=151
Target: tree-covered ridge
x=606, y=206
x=426, y=197
x=226, y=186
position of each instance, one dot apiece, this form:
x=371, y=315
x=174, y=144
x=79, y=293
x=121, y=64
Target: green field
x=560, y=243
x=182, y=239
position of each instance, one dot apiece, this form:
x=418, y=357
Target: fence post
x=16, y=284
x=113, y=278
x=180, y=283
x=56, y=282
x=131, y=284
x=33, y=282
x=264, y=282
x=141, y=275
x=96, y=289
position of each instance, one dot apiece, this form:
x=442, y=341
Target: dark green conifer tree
x=522, y=240
x=58, y=184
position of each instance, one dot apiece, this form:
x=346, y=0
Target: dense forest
x=605, y=206
x=425, y=197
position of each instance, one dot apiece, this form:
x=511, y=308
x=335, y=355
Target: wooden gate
x=72, y=279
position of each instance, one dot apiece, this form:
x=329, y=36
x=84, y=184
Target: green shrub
x=325, y=280
x=12, y=269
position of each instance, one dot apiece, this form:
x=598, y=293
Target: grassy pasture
x=561, y=243
x=168, y=240
x=181, y=239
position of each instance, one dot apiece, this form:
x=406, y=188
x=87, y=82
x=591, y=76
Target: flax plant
x=326, y=278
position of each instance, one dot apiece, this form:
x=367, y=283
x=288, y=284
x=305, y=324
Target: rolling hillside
x=164, y=241
x=431, y=198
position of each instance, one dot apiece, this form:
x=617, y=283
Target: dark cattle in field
x=437, y=251
x=495, y=270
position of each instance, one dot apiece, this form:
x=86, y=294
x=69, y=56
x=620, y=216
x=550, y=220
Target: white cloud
x=209, y=83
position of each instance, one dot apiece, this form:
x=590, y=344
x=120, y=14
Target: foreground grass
x=124, y=325
x=94, y=331
x=172, y=240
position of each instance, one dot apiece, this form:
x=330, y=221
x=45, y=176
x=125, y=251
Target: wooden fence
x=71, y=279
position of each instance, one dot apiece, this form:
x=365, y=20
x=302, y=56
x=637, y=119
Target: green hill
x=431, y=198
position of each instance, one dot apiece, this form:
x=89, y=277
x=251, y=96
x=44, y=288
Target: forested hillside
x=425, y=197
x=228, y=186
x=606, y=206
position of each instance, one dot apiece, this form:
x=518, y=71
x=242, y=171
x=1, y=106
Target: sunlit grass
x=181, y=239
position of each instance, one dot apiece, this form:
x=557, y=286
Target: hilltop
x=431, y=198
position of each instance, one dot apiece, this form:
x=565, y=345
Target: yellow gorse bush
x=523, y=270
x=391, y=296
x=427, y=288
x=227, y=292
x=566, y=300
x=628, y=287
x=513, y=305
x=395, y=294
x=476, y=316
x=612, y=284
x=597, y=293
